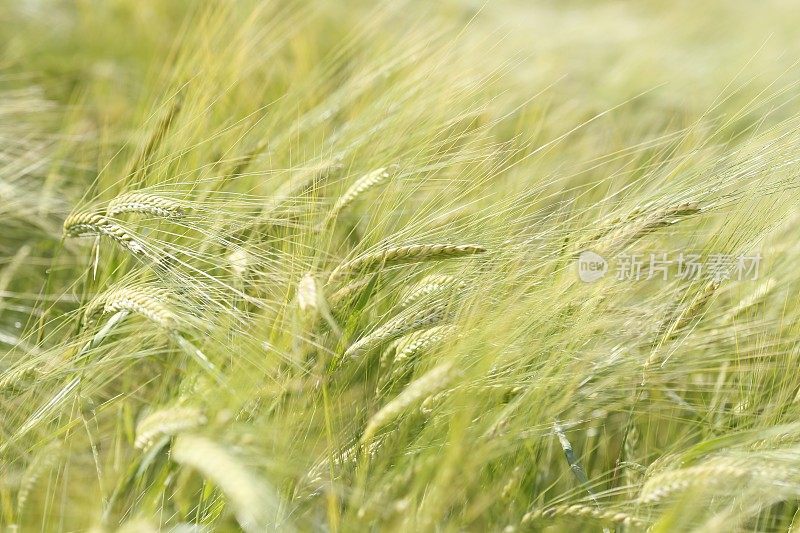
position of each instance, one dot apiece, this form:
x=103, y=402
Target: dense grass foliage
x=314, y=265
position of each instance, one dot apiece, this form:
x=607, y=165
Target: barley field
x=327, y=265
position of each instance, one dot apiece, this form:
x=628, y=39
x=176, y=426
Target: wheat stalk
x=167, y=422
x=255, y=506
x=413, y=253
x=145, y=203
x=431, y=382
x=93, y=224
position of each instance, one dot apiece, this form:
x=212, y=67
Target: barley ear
x=414, y=253
x=308, y=298
x=361, y=186
x=145, y=203
x=431, y=382
x=167, y=422
x=92, y=224
x=254, y=503
x=395, y=328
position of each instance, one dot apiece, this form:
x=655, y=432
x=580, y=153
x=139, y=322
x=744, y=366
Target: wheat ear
x=428, y=286
x=43, y=461
x=308, y=297
x=92, y=224
x=431, y=382
x=167, y=422
x=413, y=253
x=638, y=225
x=749, y=301
x=397, y=327
x=411, y=345
x=144, y=203
x=584, y=511
x=361, y=186
x=304, y=184
x=721, y=471
x=694, y=309
x=156, y=137
x=255, y=505
x=346, y=293
x=149, y=302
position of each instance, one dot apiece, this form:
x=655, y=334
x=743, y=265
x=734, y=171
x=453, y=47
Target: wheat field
x=316, y=265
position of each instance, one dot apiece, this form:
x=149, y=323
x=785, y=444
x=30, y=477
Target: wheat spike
x=431, y=382
x=413, y=253
x=408, y=347
x=412, y=344
x=254, y=503
x=430, y=285
x=301, y=185
x=431, y=402
x=15, y=375
x=584, y=511
x=629, y=450
x=697, y=305
x=361, y=185
x=145, y=203
x=637, y=224
x=511, y=483
x=749, y=301
x=775, y=441
x=155, y=139
x=308, y=297
x=167, y=422
x=150, y=302
x=239, y=261
x=41, y=463
x=722, y=471
x=397, y=327
x=92, y=224
x=684, y=318
x=347, y=292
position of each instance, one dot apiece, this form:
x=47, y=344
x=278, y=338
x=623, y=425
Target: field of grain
x=322, y=265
